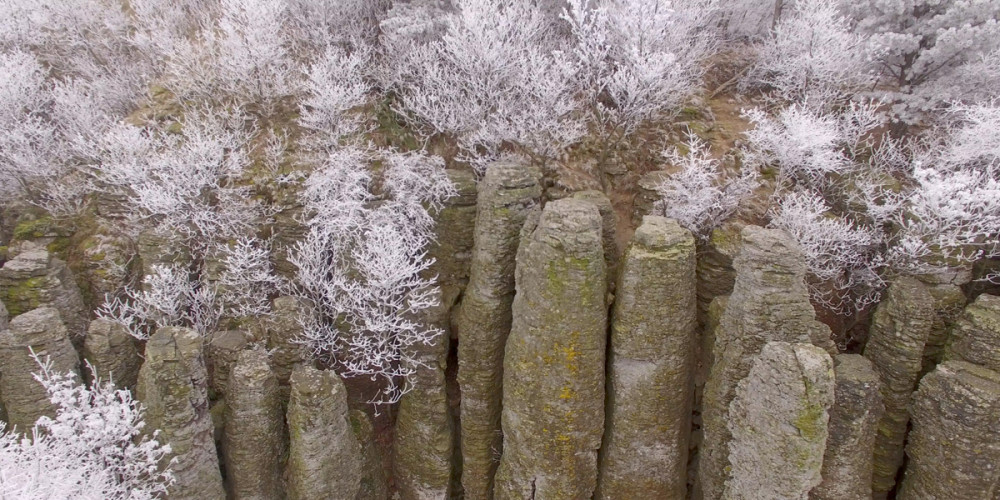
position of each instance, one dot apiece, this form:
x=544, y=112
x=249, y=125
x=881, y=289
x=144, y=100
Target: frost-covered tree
x=842, y=257
x=698, y=194
x=363, y=264
x=96, y=447
x=492, y=80
x=812, y=56
x=923, y=46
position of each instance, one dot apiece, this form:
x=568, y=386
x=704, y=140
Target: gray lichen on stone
x=40, y=331
x=507, y=194
x=778, y=421
x=651, y=366
x=173, y=387
x=254, y=442
x=857, y=409
x=900, y=327
x=954, y=446
x=324, y=458
x=770, y=302
x=554, y=377
x=111, y=351
x=975, y=337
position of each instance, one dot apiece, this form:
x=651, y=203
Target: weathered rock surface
x=42, y=331
x=157, y=249
x=554, y=378
x=770, y=302
x=900, y=327
x=975, y=337
x=283, y=332
x=111, y=351
x=954, y=446
x=608, y=226
x=324, y=459
x=425, y=431
x=857, y=409
x=35, y=279
x=506, y=195
x=779, y=423
x=949, y=301
x=4, y=317
x=651, y=366
x=374, y=482
x=254, y=440
x=221, y=352
x=716, y=275
x=647, y=195
x=173, y=386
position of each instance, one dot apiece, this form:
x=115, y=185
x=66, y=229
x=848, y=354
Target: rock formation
x=173, y=386
x=608, y=225
x=975, y=337
x=425, y=430
x=553, y=387
x=900, y=328
x=221, y=352
x=42, y=331
x=35, y=279
x=324, y=459
x=770, y=302
x=949, y=302
x=778, y=420
x=111, y=351
x=857, y=409
x=4, y=317
x=283, y=331
x=954, y=446
x=651, y=366
x=506, y=196
x=254, y=439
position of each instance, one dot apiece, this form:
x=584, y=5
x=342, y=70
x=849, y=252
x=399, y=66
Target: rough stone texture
x=554, y=378
x=779, y=423
x=609, y=224
x=975, y=337
x=949, y=301
x=160, y=249
x=4, y=317
x=111, y=350
x=254, y=439
x=35, y=279
x=425, y=430
x=324, y=459
x=651, y=366
x=42, y=331
x=646, y=195
x=716, y=275
x=374, y=482
x=770, y=302
x=221, y=352
x=900, y=327
x=847, y=463
x=283, y=332
x=173, y=386
x=954, y=447
x=506, y=195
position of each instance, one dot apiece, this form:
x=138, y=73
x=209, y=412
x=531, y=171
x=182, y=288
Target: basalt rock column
x=324, y=459
x=857, y=409
x=35, y=279
x=651, y=366
x=954, y=446
x=506, y=196
x=42, y=331
x=173, y=386
x=770, y=302
x=779, y=423
x=254, y=438
x=284, y=332
x=608, y=226
x=554, y=377
x=949, y=302
x=4, y=317
x=425, y=430
x=899, y=332
x=111, y=351
x=976, y=335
